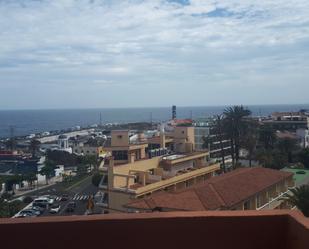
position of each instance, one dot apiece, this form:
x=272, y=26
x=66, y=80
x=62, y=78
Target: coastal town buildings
x=287, y=121
x=243, y=189
x=133, y=171
x=206, y=137
x=87, y=149
x=303, y=136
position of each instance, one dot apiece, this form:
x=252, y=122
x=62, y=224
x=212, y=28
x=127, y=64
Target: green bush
x=27, y=199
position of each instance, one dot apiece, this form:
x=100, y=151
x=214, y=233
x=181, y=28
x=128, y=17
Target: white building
x=303, y=135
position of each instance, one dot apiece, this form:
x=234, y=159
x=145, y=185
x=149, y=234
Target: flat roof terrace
x=177, y=158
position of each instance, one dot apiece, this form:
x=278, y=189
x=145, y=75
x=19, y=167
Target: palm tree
x=34, y=144
x=48, y=170
x=300, y=198
x=235, y=121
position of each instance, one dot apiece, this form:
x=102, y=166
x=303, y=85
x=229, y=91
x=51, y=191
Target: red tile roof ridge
x=217, y=194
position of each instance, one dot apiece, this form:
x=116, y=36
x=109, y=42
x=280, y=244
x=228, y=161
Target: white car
x=54, y=209
x=45, y=200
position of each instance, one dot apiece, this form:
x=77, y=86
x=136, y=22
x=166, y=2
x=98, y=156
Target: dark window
x=247, y=205
x=120, y=155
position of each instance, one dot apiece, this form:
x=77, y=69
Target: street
x=79, y=193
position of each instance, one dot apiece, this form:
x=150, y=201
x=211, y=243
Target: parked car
x=44, y=200
x=29, y=212
x=64, y=197
x=37, y=208
x=54, y=209
x=24, y=215
x=40, y=205
x=71, y=206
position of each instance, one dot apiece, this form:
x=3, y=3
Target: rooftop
x=182, y=230
x=218, y=192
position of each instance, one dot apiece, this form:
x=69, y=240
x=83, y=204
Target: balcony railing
x=182, y=230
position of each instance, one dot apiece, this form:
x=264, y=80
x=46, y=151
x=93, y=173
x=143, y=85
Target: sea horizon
x=143, y=107
x=28, y=121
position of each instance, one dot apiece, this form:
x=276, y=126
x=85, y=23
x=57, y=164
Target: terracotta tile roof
x=218, y=192
x=187, y=200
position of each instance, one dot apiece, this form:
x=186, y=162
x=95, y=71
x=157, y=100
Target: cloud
x=211, y=45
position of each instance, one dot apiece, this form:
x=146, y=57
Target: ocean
x=32, y=121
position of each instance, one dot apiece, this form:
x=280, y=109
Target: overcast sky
x=117, y=53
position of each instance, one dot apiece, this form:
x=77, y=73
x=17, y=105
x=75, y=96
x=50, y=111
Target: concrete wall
x=181, y=230
x=119, y=138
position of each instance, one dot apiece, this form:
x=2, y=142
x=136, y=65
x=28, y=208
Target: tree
x=267, y=137
x=235, y=127
x=271, y=158
x=264, y=157
x=82, y=169
x=30, y=178
x=96, y=178
x=34, y=145
x=48, y=170
x=90, y=160
x=249, y=139
x=206, y=142
x=300, y=198
x=8, y=209
x=303, y=156
x=287, y=146
x=14, y=179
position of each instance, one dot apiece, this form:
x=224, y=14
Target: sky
x=135, y=53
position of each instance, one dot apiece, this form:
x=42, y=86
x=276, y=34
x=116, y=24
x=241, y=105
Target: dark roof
x=218, y=192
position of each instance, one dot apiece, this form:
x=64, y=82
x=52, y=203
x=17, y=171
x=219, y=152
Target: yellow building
x=132, y=172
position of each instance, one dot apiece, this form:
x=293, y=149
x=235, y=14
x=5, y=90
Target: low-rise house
x=243, y=189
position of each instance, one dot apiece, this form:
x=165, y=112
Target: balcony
x=182, y=230
x=169, y=181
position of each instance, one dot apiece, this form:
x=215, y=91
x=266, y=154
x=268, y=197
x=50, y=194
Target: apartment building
x=134, y=171
x=287, y=121
x=243, y=189
x=205, y=136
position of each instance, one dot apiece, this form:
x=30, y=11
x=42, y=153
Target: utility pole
x=100, y=119
x=151, y=118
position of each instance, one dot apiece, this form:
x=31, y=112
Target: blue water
x=33, y=121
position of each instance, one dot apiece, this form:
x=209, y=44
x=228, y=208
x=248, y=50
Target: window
x=120, y=155
x=258, y=201
x=247, y=205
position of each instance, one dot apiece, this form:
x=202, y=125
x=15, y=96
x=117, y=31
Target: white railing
x=273, y=200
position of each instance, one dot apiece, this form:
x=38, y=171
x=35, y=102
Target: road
x=79, y=193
